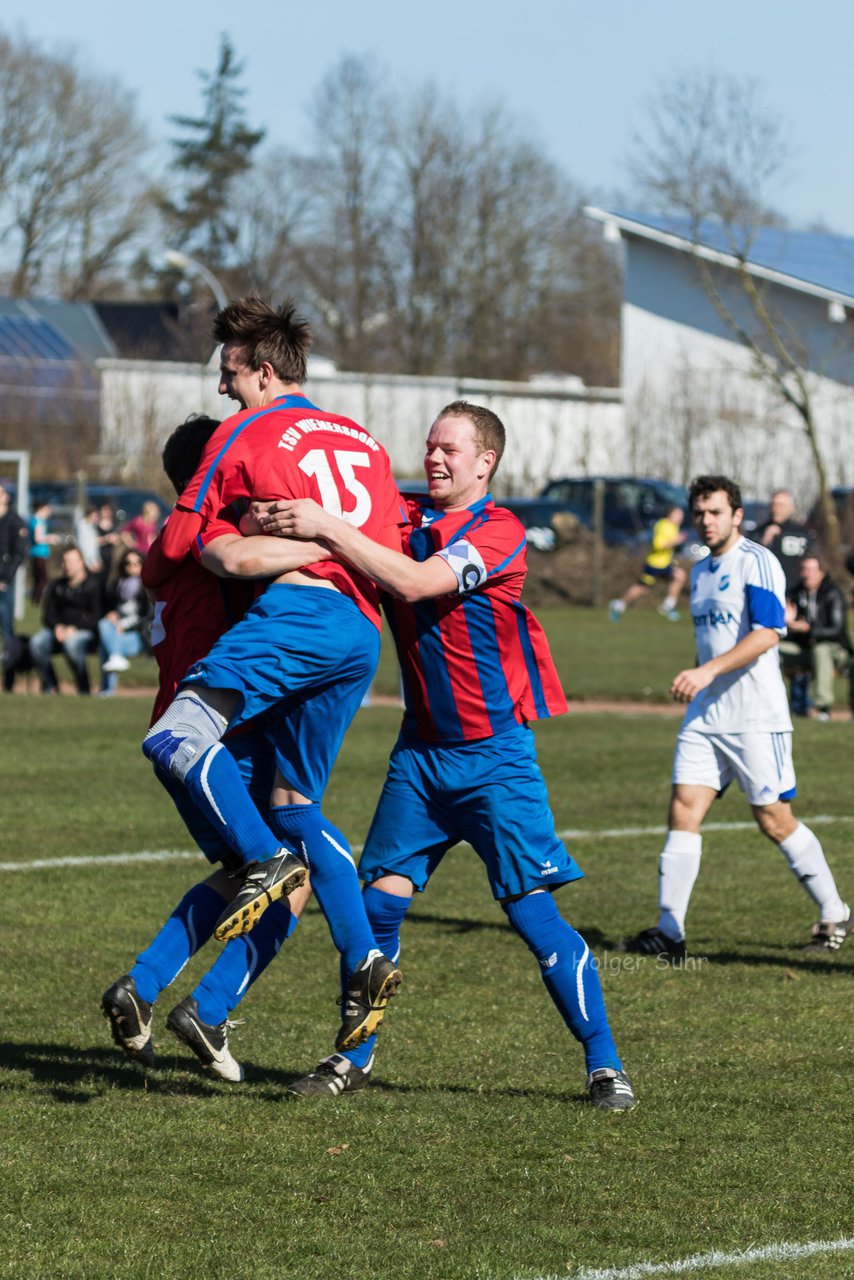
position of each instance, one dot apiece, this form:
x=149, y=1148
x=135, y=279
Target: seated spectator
x=141, y=531
x=41, y=542
x=121, y=629
x=819, y=629
x=70, y=612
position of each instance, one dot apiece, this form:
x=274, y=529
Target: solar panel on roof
x=42, y=377
x=815, y=257
x=23, y=338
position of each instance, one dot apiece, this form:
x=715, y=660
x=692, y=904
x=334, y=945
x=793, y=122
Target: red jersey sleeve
x=173, y=543
x=491, y=550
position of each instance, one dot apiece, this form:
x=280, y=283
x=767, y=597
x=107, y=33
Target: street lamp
x=190, y=267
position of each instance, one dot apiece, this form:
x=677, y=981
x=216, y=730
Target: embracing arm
x=409, y=580
x=233, y=556
x=689, y=683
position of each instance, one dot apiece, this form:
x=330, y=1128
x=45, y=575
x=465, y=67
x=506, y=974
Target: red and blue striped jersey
x=475, y=663
x=291, y=449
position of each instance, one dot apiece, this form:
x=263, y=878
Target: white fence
x=552, y=429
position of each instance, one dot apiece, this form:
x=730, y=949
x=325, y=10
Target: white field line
x=185, y=855
x=769, y=1252
x=624, y=833
x=105, y=859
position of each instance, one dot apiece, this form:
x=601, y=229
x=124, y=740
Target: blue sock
x=217, y=789
x=334, y=880
x=188, y=928
x=241, y=962
x=568, y=969
x=386, y=913
x=211, y=843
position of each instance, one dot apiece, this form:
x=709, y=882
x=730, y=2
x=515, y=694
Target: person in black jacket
x=820, y=627
x=785, y=536
x=70, y=612
x=13, y=549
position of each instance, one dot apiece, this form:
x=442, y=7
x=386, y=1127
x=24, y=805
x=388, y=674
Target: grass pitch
x=474, y=1153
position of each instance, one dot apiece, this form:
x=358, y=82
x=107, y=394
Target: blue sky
x=576, y=74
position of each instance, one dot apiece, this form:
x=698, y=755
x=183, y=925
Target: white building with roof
x=693, y=401
x=93, y=358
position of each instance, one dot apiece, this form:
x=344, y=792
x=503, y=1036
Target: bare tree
x=528, y=298
x=72, y=189
x=426, y=238
x=342, y=250
x=273, y=209
x=493, y=270
x=431, y=161
x=713, y=152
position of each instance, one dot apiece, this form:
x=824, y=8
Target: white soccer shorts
x=761, y=763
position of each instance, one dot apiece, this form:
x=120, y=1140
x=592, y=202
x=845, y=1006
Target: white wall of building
x=551, y=430
x=693, y=402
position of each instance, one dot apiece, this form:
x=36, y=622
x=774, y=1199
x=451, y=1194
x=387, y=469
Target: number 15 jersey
x=291, y=449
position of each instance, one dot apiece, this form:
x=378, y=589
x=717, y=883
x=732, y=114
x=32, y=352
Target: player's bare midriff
x=296, y=578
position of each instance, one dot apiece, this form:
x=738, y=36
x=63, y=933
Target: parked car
x=65, y=495
x=755, y=514
x=631, y=505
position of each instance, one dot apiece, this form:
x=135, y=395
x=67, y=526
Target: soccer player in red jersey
x=193, y=608
x=303, y=655
x=476, y=669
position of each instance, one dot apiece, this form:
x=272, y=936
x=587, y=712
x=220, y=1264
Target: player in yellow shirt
x=660, y=566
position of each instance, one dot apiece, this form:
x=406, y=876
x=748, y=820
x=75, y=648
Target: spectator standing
x=108, y=534
x=820, y=628
x=72, y=606
x=784, y=536
x=120, y=630
x=13, y=549
x=141, y=531
x=41, y=541
x=88, y=541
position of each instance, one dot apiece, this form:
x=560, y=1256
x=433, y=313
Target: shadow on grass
x=463, y=924
x=453, y=924
x=767, y=958
x=803, y=964
x=78, y=1076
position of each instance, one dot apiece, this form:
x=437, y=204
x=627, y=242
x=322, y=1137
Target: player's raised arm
x=409, y=580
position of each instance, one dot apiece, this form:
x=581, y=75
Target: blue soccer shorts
x=307, y=656
x=489, y=793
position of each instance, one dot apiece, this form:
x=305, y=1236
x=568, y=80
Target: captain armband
x=467, y=564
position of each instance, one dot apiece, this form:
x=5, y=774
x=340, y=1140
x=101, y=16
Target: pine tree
x=214, y=152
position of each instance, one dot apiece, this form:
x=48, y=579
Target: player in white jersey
x=737, y=725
